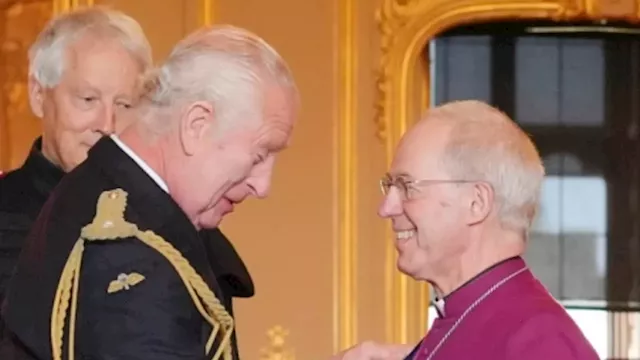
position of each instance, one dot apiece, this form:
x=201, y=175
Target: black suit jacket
x=156, y=319
x=23, y=192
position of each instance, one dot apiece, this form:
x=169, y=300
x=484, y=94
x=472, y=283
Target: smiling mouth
x=404, y=235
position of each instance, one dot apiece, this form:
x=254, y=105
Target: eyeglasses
x=409, y=188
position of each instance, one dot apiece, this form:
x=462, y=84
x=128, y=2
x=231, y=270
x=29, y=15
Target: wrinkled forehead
x=420, y=152
x=281, y=101
x=280, y=114
x=275, y=135
x=91, y=54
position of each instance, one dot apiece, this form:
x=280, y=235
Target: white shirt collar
x=143, y=165
x=440, y=306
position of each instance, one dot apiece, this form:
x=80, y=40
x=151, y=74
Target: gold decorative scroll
x=21, y=23
x=277, y=348
x=406, y=27
x=345, y=297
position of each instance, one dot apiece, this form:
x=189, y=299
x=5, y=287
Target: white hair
x=226, y=66
x=486, y=145
x=47, y=54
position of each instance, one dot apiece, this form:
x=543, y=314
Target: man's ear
x=195, y=124
x=482, y=202
x=36, y=97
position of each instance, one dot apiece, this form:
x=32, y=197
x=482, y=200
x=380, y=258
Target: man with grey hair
x=461, y=194
x=84, y=72
x=114, y=267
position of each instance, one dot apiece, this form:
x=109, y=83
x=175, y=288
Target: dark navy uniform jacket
x=154, y=320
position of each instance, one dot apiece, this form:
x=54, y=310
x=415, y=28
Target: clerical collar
x=143, y=165
x=438, y=304
x=455, y=303
x=44, y=174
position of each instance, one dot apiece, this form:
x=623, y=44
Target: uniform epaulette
x=109, y=224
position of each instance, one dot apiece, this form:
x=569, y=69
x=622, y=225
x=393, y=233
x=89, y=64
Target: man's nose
x=391, y=204
x=107, y=121
x=260, y=185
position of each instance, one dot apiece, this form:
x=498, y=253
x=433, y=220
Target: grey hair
x=47, y=54
x=486, y=145
x=224, y=65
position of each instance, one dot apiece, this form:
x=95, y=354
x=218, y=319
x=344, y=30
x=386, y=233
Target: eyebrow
x=401, y=174
x=84, y=87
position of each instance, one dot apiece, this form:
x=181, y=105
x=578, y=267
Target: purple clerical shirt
x=519, y=320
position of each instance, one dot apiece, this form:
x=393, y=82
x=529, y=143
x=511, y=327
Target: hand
x=370, y=350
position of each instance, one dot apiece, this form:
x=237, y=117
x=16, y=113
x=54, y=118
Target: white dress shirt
x=143, y=165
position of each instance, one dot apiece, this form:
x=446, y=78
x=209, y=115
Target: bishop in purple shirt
x=461, y=193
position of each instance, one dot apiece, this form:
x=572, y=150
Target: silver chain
x=470, y=308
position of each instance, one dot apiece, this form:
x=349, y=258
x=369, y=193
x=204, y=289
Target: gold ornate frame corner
x=406, y=27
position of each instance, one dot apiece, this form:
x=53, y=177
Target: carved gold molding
x=345, y=296
x=21, y=22
x=277, y=348
x=406, y=26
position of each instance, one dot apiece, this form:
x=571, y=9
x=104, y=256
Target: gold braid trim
x=109, y=225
